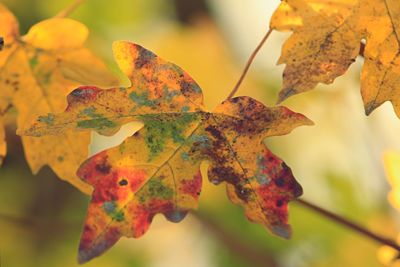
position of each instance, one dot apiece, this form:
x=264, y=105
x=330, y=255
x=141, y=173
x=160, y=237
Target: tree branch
x=349, y=224
x=69, y=9
x=248, y=64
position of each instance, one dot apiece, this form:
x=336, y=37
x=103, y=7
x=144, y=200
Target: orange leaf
x=37, y=71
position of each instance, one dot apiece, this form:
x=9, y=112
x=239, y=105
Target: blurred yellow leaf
x=388, y=256
x=37, y=71
x=392, y=168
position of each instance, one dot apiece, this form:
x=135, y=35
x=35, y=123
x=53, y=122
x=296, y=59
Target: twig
x=349, y=224
x=68, y=10
x=35, y=222
x=17, y=220
x=248, y=64
x=5, y=110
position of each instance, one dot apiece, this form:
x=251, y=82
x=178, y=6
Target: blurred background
x=338, y=161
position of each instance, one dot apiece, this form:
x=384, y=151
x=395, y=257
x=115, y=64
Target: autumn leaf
x=327, y=38
x=387, y=255
x=157, y=170
x=392, y=168
x=37, y=71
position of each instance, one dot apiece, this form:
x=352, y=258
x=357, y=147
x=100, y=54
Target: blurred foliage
x=338, y=161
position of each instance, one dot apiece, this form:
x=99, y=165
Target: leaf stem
x=349, y=224
x=248, y=64
x=69, y=9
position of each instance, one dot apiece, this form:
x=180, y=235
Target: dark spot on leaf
x=186, y=87
x=214, y=132
x=235, y=100
x=83, y=93
x=280, y=182
x=144, y=58
x=103, y=168
x=279, y=203
x=243, y=192
x=123, y=182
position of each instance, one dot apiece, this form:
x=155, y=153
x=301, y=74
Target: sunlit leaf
x=392, y=168
x=37, y=71
x=157, y=170
x=327, y=38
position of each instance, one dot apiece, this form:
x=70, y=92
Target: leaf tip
x=308, y=122
x=285, y=94
x=27, y=132
x=175, y=216
x=87, y=254
x=369, y=108
x=282, y=231
x=125, y=47
x=83, y=257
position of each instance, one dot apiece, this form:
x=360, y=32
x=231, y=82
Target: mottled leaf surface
x=37, y=72
x=327, y=38
x=157, y=170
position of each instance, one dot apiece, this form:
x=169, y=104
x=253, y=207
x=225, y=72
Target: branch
x=349, y=224
x=5, y=110
x=30, y=222
x=250, y=60
x=17, y=220
x=69, y=9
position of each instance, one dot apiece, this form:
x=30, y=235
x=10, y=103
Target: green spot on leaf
x=155, y=189
x=141, y=99
x=111, y=209
x=160, y=129
x=49, y=119
x=97, y=124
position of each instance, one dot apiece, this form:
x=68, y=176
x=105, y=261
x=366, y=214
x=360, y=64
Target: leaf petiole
x=69, y=9
x=248, y=64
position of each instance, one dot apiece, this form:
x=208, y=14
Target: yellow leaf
x=57, y=34
x=389, y=256
x=392, y=169
x=37, y=71
x=8, y=25
x=327, y=38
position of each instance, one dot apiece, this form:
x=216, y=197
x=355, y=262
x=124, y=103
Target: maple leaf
x=37, y=71
x=327, y=38
x=157, y=170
